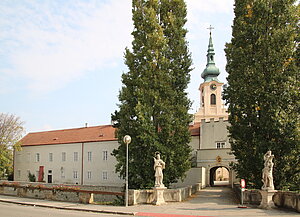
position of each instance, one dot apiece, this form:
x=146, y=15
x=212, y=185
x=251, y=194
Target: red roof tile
x=79, y=135
x=195, y=129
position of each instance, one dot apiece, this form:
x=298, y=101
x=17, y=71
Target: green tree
x=154, y=106
x=11, y=130
x=263, y=93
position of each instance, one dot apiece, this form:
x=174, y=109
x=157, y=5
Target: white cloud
x=51, y=43
x=211, y=6
x=202, y=13
x=55, y=43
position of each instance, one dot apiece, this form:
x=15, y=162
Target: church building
x=214, y=147
x=83, y=155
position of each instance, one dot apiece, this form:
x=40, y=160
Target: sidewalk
x=216, y=201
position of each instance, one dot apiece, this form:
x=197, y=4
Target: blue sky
x=61, y=60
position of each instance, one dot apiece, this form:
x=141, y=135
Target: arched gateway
x=219, y=175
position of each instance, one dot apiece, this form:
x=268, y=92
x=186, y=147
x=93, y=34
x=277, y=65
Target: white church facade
x=83, y=155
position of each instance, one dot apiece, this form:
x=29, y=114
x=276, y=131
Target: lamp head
x=127, y=139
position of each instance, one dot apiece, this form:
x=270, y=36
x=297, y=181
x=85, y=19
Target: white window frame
x=63, y=156
x=105, y=155
x=62, y=173
x=75, y=174
x=104, y=175
x=28, y=156
x=89, y=157
x=37, y=157
x=89, y=175
x=75, y=156
x=50, y=157
x=220, y=145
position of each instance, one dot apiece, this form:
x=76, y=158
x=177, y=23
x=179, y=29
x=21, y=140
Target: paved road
x=15, y=210
x=215, y=201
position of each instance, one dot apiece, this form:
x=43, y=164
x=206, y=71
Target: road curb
x=70, y=208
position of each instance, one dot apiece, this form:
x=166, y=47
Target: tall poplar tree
x=263, y=93
x=154, y=105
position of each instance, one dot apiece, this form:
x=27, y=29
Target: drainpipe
x=82, y=155
x=14, y=153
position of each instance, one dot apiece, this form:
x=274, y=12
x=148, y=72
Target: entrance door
x=49, y=176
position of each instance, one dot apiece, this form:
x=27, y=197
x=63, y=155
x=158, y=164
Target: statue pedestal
x=159, y=195
x=267, y=199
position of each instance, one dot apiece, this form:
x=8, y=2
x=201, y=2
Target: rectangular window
x=19, y=173
x=28, y=157
x=75, y=174
x=89, y=174
x=220, y=144
x=104, y=175
x=105, y=155
x=50, y=157
x=63, y=156
x=37, y=157
x=89, y=156
x=62, y=173
x=75, y=156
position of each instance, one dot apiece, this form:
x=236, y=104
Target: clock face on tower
x=213, y=86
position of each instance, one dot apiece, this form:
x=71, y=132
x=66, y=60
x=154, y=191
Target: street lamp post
x=127, y=140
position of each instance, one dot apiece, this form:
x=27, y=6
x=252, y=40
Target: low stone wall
x=78, y=194
x=289, y=200
x=249, y=196
x=284, y=199
x=82, y=187
x=170, y=195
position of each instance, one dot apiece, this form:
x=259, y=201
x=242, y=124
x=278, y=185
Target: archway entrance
x=218, y=176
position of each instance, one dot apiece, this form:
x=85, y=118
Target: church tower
x=211, y=104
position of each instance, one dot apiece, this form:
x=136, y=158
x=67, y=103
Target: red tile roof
x=79, y=135
x=195, y=129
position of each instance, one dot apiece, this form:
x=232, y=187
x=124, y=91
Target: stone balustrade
x=170, y=195
x=284, y=199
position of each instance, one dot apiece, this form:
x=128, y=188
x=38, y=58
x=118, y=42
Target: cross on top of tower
x=211, y=72
x=210, y=28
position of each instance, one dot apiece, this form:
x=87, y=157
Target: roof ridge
x=77, y=128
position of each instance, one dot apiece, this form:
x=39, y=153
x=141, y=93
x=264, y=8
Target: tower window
x=213, y=99
x=211, y=57
x=220, y=144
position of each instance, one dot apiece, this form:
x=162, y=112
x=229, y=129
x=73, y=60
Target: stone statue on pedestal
x=159, y=165
x=267, y=172
x=158, y=190
x=267, y=191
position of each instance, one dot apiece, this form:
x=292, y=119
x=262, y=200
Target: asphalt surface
x=212, y=201
x=15, y=210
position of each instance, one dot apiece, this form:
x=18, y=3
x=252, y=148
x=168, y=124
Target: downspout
x=14, y=152
x=82, y=155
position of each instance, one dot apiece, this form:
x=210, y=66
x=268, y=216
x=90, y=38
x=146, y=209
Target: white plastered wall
x=63, y=171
